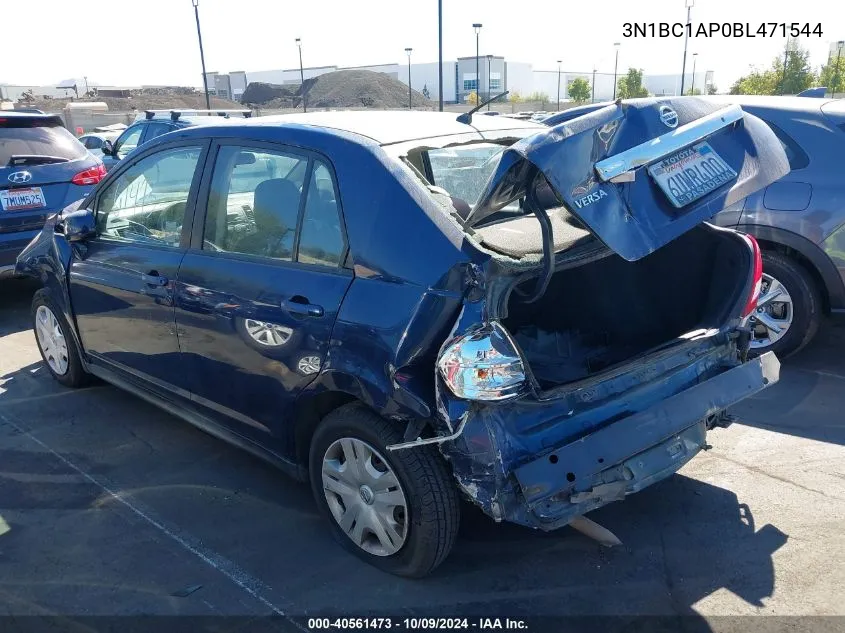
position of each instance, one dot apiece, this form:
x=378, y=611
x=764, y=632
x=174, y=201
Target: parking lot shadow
x=808, y=400
x=15, y=300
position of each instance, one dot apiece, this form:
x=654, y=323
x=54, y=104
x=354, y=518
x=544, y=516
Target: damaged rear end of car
x=604, y=331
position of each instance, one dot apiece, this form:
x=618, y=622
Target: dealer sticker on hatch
x=691, y=174
x=22, y=199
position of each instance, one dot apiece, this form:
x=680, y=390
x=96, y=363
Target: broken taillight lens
x=751, y=303
x=483, y=365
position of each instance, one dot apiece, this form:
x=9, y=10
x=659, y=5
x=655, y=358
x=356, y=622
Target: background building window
x=470, y=84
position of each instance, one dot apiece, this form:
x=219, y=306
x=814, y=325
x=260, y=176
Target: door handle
x=301, y=307
x=153, y=279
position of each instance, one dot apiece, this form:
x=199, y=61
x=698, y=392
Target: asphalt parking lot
x=109, y=506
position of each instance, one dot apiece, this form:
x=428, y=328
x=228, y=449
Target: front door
x=259, y=292
x=122, y=282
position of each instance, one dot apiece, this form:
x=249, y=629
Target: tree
x=796, y=76
x=538, y=97
x=631, y=85
x=832, y=75
x=472, y=98
x=693, y=92
x=579, y=90
x=712, y=89
x=515, y=97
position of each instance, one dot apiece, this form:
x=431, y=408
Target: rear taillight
x=751, y=304
x=90, y=176
x=483, y=365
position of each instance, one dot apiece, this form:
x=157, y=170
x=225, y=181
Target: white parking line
x=230, y=570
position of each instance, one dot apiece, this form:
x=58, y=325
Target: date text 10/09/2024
x=416, y=624
x=721, y=29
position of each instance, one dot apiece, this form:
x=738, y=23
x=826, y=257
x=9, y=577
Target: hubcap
x=309, y=364
x=770, y=322
x=268, y=334
x=365, y=496
x=50, y=339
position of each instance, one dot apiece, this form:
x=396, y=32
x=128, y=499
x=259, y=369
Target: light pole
x=558, y=85
x=615, y=68
x=86, y=86
x=694, y=59
x=690, y=4
x=202, y=55
x=489, y=61
x=408, y=51
x=839, y=46
x=593, y=94
x=440, y=55
x=301, y=75
x=477, y=27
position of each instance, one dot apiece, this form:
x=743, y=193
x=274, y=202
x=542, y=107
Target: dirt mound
x=143, y=100
x=340, y=89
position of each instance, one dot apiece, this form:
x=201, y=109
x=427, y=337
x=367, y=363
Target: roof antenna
x=466, y=117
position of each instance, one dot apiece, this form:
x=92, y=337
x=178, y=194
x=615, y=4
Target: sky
x=134, y=42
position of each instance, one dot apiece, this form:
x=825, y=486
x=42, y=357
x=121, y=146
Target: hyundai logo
x=20, y=177
x=668, y=116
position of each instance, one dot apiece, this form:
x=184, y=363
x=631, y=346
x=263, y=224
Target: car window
x=321, y=240
x=25, y=138
x=157, y=129
x=128, y=141
x=93, y=142
x=254, y=202
x=147, y=202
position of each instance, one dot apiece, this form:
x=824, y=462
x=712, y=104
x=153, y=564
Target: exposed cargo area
x=609, y=311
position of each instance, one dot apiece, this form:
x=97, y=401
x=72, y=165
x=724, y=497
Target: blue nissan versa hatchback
x=43, y=168
x=404, y=308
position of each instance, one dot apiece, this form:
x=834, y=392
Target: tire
x=432, y=511
x=806, y=305
x=74, y=375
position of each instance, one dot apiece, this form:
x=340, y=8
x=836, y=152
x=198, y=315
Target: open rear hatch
x=638, y=174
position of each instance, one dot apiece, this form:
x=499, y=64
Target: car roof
x=387, y=127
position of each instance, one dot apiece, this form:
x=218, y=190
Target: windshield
x=17, y=140
x=463, y=171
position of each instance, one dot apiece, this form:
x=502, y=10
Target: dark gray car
x=799, y=221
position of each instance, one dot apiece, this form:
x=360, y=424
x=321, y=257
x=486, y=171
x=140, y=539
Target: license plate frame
x=691, y=174
x=33, y=199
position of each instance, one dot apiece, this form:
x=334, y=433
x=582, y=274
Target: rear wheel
x=396, y=510
x=55, y=342
x=789, y=308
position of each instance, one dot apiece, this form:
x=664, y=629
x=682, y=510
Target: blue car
x=154, y=123
x=799, y=220
x=43, y=168
x=404, y=309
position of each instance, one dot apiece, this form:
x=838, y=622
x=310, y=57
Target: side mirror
x=107, y=148
x=78, y=225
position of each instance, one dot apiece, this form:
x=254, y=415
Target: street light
x=489, y=61
x=202, y=55
x=694, y=59
x=408, y=51
x=690, y=4
x=558, y=85
x=440, y=55
x=616, y=45
x=301, y=75
x=477, y=27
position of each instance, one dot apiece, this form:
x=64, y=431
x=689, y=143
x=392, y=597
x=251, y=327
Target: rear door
x=124, y=144
x=122, y=282
x=259, y=290
x=640, y=174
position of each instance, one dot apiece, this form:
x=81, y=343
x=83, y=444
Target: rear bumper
x=523, y=475
x=635, y=452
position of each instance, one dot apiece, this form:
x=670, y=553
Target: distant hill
x=340, y=89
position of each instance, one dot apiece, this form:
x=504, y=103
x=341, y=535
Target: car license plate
x=22, y=199
x=691, y=174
